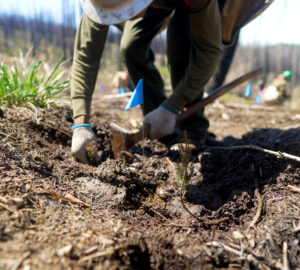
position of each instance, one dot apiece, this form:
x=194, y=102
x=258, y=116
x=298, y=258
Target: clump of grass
x=164, y=71
x=30, y=82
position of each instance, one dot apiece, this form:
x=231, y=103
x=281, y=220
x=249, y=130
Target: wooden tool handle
x=217, y=93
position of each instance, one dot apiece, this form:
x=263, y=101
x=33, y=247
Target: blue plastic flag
x=122, y=90
x=101, y=87
x=258, y=100
x=248, y=90
x=136, y=97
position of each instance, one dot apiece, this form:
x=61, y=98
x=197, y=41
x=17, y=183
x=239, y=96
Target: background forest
x=48, y=40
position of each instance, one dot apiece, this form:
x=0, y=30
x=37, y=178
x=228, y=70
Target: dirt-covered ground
x=56, y=213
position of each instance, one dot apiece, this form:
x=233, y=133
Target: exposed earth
x=57, y=213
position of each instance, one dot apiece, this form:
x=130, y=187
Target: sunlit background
x=271, y=40
x=276, y=25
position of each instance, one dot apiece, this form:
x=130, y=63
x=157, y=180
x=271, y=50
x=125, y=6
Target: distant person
x=121, y=80
x=277, y=92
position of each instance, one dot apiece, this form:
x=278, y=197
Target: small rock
x=165, y=194
x=296, y=117
x=19, y=202
x=91, y=250
x=27, y=187
x=225, y=116
x=133, y=123
x=87, y=234
x=64, y=250
x=117, y=227
x=237, y=235
x=251, y=240
x=105, y=241
x=218, y=105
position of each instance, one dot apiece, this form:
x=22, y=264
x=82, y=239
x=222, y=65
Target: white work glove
x=162, y=122
x=84, y=146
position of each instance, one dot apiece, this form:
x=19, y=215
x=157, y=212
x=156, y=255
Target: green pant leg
x=139, y=58
x=88, y=47
x=179, y=44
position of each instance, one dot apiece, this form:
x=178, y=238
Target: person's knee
x=128, y=50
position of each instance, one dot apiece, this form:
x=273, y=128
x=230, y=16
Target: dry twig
x=7, y=208
x=20, y=261
x=97, y=255
x=113, y=96
x=251, y=107
x=285, y=261
x=166, y=219
x=68, y=198
x=296, y=228
x=293, y=188
x=156, y=212
x=33, y=112
x=225, y=247
x=257, y=148
x=6, y=136
x=241, y=253
x=67, y=133
x=259, y=206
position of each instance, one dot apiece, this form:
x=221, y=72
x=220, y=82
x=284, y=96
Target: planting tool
x=122, y=139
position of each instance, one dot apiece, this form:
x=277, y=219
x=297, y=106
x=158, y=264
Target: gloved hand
x=84, y=145
x=162, y=122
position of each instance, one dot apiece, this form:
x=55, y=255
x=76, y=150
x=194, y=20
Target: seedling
x=182, y=166
x=182, y=171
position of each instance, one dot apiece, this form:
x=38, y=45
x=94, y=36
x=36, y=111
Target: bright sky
x=276, y=25
x=49, y=9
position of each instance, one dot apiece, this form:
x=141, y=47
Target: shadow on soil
x=231, y=175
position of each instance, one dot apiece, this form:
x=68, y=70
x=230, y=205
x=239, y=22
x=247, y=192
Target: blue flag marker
x=122, y=90
x=258, y=100
x=248, y=90
x=101, y=87
x=137, y=96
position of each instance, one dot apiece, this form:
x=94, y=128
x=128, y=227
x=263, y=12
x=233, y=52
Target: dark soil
x=57, y=213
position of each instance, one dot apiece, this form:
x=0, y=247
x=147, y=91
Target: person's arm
x=205, y=53
x=88, y=48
